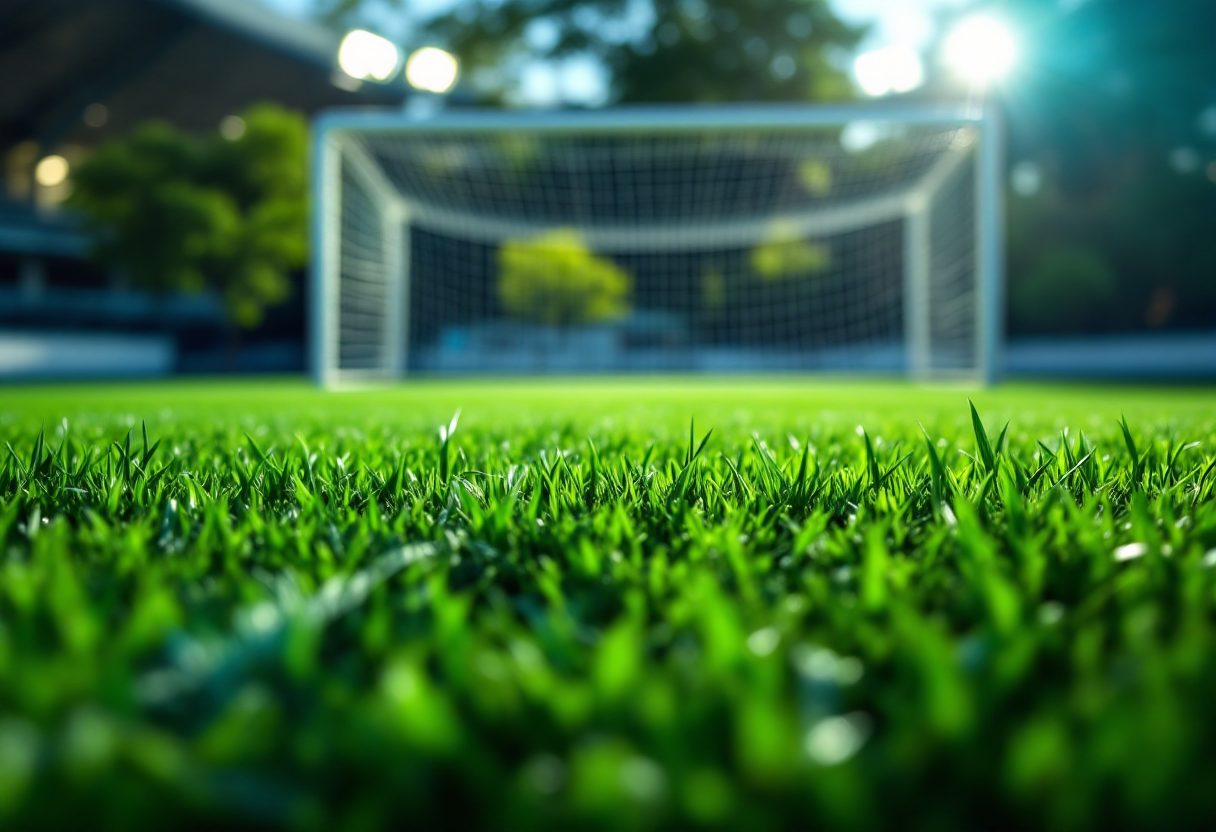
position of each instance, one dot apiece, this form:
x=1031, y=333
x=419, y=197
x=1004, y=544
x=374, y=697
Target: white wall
x=39, y=355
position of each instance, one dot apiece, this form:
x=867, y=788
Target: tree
x=689, y=50
x=346, y=14
x=784, y=255
x=556, y=280
x=180, y=213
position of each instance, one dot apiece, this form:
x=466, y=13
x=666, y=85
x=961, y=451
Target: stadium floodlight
x=368, y=57
x=726, y=239
x=981, y=49
x=896, y=69
x=52, y=171
x=431, y=69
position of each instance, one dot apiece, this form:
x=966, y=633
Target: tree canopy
x=182, y=213
x=662, y=51
x=555, y=279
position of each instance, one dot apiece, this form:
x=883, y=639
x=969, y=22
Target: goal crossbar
x=654, y=119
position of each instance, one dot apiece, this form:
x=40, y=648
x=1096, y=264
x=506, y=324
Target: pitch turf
x=257, y=604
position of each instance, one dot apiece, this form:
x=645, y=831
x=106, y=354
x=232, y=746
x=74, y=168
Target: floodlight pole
x=990, y=242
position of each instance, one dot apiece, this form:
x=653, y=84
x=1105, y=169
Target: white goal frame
x=331, y=139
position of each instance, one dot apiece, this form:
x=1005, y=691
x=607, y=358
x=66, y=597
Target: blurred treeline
x=224, y=213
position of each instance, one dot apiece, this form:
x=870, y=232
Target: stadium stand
x=79, y=72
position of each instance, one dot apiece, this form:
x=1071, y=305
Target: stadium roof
x=190, y=62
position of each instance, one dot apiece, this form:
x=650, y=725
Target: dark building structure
x=79, y=72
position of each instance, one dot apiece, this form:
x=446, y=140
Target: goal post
x=849, y=238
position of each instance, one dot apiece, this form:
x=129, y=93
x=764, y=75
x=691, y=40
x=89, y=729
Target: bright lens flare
x=884, y=71
x=368, y=56
x=981, y=49
x=52, y=171
x=431, y=69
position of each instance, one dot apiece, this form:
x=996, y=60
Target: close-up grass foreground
x=788, y=604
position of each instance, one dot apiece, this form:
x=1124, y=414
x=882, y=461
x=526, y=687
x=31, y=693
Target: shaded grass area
x=856, y=606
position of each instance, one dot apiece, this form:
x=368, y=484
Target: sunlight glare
x=981, y=49
x=896, y=69
x=367, y=56
x=431, y=69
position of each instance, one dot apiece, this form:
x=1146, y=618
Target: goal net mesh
x=851, y=248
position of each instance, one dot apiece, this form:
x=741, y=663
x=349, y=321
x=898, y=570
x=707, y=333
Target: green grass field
x=821, y=605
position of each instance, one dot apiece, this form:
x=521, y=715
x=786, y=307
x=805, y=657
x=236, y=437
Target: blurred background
x=147, y=146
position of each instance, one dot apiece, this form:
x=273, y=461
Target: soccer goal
x=846, y=239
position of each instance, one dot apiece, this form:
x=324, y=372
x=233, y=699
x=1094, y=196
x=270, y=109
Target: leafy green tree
x=557, y=280
x=181, y=213
x=688, y=50
x=785, y=255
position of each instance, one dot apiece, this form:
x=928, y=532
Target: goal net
x=841, y=239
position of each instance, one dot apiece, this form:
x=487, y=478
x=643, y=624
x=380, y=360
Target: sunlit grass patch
x=610, y=605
